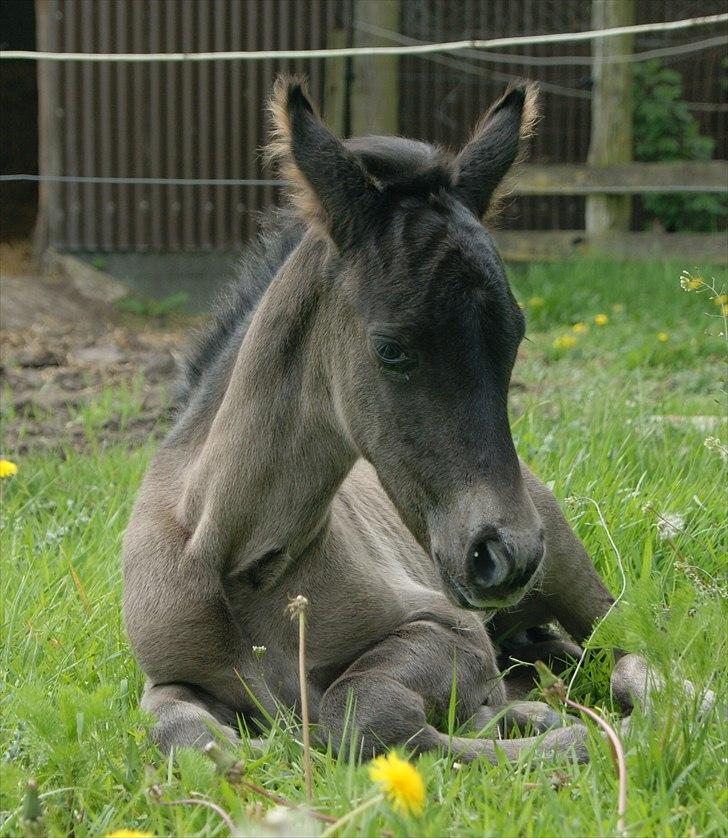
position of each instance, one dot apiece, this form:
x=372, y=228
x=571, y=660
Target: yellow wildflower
x=579, y=328
x=536, y=302
x=720, y=300
x=691, y=284
x=564, y=342
x=7, y=469
x=724, y=310
x=688, y=282
x=618, y=308
x=663, y=337
x=400, y=782
x=601, y=319
x=129, y=833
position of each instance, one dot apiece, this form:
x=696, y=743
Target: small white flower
x=669, y=524
x=259, y=651
x=713, y=444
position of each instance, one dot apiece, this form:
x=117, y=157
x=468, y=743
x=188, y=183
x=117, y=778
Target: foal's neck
x=276, y=451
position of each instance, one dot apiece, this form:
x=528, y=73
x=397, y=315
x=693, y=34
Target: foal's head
x=428, y=331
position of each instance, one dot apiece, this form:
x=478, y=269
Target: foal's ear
x=328, y=185
x=495, y=145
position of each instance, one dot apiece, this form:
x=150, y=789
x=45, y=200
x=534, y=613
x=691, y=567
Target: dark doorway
x=18, y=121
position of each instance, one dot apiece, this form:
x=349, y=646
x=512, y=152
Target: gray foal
x=343, y=434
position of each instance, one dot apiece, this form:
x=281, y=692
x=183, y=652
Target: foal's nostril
x=489, y=563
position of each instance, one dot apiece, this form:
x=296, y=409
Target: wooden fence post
x=611, y=112
x=375, y=88
x=49, y=127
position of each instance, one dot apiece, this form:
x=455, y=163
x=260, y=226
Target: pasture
x=614, y=396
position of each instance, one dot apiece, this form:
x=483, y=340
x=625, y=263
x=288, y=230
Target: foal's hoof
x=191, y=733
x=569, y=740
x=633, y=683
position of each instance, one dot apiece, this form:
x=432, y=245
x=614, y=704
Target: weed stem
x=298, y=606
x=620, y=766
x=349, y=816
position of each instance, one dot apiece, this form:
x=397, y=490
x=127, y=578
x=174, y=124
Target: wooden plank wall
x=203, y=120
x=206, y=119
x=458, y=88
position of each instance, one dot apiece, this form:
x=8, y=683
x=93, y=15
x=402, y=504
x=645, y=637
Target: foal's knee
x=370, y=713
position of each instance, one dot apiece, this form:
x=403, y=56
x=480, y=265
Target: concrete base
x=108, y=277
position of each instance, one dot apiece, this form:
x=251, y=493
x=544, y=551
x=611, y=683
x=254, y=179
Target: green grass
x=588, y=419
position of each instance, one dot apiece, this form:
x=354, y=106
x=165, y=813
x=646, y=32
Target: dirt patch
x=61, y=355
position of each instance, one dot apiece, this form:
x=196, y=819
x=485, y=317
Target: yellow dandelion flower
x=720, y=300
x=400, y=782
x=601, y=319
x=663, y=337
x=564, y=342
x=129, y=833
x=536, y=302
x=618, y=308
x=7, y=469
x=579, y=328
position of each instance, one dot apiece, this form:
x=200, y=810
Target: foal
x=344, y=435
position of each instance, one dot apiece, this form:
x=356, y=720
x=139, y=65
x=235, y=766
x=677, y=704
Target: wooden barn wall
x=205, y=120
x=197, y=120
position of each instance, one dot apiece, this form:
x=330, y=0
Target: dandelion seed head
x=669, y=524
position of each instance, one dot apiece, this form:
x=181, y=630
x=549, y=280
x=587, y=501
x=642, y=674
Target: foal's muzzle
x=487, y=545
x=499, y=573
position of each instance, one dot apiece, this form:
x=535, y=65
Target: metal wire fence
x=154, y=139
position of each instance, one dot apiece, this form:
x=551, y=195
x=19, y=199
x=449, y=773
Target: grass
x=590, y=420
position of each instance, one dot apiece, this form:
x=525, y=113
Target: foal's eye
x=391, y=355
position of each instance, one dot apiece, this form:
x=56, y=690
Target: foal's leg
x=392, y=688
x=182, y=633
x=569, y=589
x=518, y=653
x=535, y=716
x=571, y=592
x=182, y=638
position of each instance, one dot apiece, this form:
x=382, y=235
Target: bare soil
x=59, y=351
